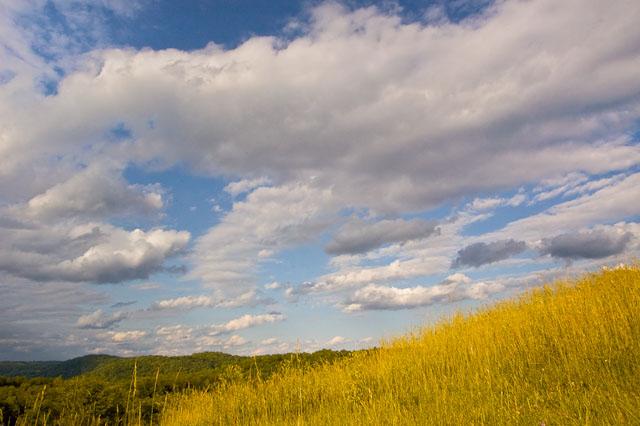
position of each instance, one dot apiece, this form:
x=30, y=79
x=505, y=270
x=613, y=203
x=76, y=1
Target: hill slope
x=66, y=369
x=109, y=367
x=566, y=354
x=103, y=391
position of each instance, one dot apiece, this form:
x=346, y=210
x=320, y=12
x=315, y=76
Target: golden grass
x=565, y=354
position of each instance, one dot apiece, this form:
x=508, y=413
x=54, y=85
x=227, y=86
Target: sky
x=271, y=176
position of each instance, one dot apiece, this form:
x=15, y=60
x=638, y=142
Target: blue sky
x=257, y=177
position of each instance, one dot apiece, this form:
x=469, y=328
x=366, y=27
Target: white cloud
x=611, y=203
x=94, y=252
x=356, y=276
x=245, y=185
x=125, y=255
x=246, y=321
x=234, y=341
x=552, y=188
x=99, y=320
x=480, y=204
x=455, y=287
x=249, y=298
x=95, y=192
x=175, y=334
x=420, y=258
x=403, y=116
x=185, y=302
x=594, y=185
x=517, y=199
x=61, y=234
x=227, y=257
x=337, y=340
x=126, y=336
x=274, y=285
x=269, y=341
x=491, y=203
x=181, y=339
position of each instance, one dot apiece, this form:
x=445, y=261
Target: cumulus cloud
x=479, y=254
x=387, y=80
x=95, y=192
x=245, y=185
x=456, y=287
x=591, y=244
x=246, y=321
x=359, y=236
x=123, y=256
x=99, y=320
x=95, y=252
x=61, y=234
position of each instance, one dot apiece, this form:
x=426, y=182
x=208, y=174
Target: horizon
x=169, y=356
x=264, y=177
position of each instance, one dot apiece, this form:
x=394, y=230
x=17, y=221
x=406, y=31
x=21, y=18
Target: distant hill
x=66, y=369
x=100, y=386
x=118, y=368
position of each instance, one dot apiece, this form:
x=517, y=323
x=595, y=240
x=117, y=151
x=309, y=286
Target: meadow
x=568, y=353
x=564, y=354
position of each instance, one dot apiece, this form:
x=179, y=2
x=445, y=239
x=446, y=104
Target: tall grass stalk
x=153, y=397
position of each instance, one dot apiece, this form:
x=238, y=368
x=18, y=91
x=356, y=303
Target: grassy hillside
x=566, y=354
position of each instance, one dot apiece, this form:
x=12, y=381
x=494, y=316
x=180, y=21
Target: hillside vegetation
x=111, y=390
x=65, y=369
x=565, y=354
